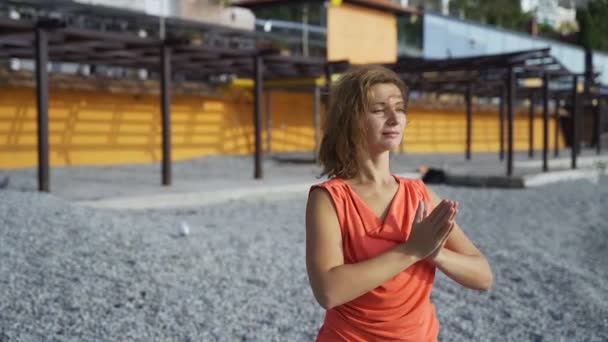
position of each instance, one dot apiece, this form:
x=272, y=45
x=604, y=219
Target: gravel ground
x=70, y=273
x=217, y=172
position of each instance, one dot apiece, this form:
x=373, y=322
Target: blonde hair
x=344, y=139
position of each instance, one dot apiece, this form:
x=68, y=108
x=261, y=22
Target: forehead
x=385, y=92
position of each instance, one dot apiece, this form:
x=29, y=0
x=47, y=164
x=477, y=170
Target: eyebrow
x=384, y=103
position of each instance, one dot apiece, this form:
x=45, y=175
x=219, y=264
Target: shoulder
x=328, y=194
x=416, y=185
x=331, y=186
x=411, y=182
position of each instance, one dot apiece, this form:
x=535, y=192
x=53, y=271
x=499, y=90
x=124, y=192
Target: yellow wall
x=361, y=35
x=94, y=128
x=445, y=131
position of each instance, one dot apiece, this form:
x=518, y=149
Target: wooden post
x=42, y=97
x=268, y=121
x=317, y=118
x=557, y=127
x=545, y=122
x=531, y=125
x=468, y=101
x=165, y=105
x=258, y=70
x=574, y=122
x=501, y=118
x=510, y=116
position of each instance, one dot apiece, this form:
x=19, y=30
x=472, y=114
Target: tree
x=593, y=23
x=506, y=14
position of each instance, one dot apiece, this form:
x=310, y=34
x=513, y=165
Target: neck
x=375, y=169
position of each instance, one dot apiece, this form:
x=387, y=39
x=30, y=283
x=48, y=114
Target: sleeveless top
x=400, y=309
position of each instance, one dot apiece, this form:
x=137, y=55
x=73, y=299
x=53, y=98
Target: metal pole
x=574, y=123
x=580, y=124
x=328, y=72
x=531, y=125
x=557, y=127
x=510, y=114
x=545, y=122
x=305, y=51
x=161, y=20
x=468, y=101
x=501, y=126
x=269, y=121
x=598, y=125
x=165, y=105
x=42, y=95
x=317, y=118
x=258, y=65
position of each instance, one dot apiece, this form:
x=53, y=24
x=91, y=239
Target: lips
x=390, y=134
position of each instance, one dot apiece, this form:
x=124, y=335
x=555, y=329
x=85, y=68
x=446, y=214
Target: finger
x=445, y=232
x=454, y=210
x=417, y=217
x=439, y=209
x=441, y=214
x=426, y=210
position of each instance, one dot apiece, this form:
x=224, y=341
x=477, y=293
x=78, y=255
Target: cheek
x=373, y=124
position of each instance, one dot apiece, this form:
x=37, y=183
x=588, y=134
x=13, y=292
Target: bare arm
x=460, y=260
x=335, y=283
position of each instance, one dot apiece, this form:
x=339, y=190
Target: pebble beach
x=75, y=273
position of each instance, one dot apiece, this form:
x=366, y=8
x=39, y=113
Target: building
x=116, y=114
x=212, y=12
x=550, y=12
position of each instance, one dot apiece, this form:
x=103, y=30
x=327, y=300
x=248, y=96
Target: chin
x=386, y=148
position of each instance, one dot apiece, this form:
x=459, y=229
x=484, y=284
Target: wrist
x=409, y=252
x=440, y=257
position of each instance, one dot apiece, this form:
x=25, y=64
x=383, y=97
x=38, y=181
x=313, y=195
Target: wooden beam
x=511, y=96
x=469, y=105
x=165, y=102
x=546, y=123
x=574, y=122
x=258, y=76
x=42, y=96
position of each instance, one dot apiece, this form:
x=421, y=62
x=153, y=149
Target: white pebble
x=184, y=229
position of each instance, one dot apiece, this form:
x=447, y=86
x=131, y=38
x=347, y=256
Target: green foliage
x=506, y=14
x=548, y=31
x=593, y=23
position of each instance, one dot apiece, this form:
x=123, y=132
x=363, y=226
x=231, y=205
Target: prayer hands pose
x=430, y=231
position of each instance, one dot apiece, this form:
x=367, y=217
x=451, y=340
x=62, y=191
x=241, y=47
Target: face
x=385, y=118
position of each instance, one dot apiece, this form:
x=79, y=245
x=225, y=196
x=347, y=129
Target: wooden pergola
x=48, y=39
x=202, y=52
x=499, y=76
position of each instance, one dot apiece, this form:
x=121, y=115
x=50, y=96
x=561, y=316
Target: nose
x=392, y=116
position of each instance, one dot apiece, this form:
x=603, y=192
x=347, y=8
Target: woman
x=374, y=240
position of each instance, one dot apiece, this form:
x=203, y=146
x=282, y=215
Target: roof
x=197, y=50
x=486, y=72
x=382, y=5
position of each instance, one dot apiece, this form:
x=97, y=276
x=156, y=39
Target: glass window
x=409, y=35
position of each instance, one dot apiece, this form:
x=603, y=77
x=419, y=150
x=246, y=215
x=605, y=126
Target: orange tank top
x=400, y=309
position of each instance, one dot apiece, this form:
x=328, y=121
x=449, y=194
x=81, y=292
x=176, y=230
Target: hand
x=429, y=232
x=438, y=254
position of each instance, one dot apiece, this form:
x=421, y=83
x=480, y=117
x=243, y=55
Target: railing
x=297, y=38
x=446, y=37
